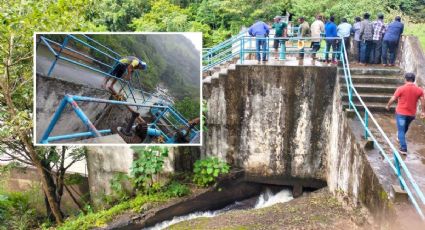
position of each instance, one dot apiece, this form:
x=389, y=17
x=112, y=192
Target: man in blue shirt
x=330, y=36
x=390, y=41
x=260, y=31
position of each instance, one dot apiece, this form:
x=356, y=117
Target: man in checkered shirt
x=378, y=33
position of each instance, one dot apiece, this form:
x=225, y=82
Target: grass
x=417, y=30
x=99, y=219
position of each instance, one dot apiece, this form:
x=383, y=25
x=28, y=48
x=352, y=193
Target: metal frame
x=153, y=129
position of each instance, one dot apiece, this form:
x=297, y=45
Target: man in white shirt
x=344, y=31
x=316, y=29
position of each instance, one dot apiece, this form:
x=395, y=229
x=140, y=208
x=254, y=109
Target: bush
x=206, y=171
x=15, y=211
x=149, y=162
x=176, y=189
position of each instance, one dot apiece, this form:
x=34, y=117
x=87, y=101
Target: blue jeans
x=261, y=43
x=390, y=47
x=365, y=50
x=403, y=123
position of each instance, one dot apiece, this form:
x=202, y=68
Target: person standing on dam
x=407, y=97
x=260, y=31
x=129, y=64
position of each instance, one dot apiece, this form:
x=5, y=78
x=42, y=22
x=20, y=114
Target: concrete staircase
x=375, y=86
x=219, y=68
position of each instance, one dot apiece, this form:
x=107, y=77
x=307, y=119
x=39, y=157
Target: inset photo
x=117, y=88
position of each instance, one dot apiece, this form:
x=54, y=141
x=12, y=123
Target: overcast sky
x=196, y=38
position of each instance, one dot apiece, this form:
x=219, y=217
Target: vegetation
x=188, y=107
x=149, y=162
x=16, y=212
x=418, y=30
x=206, y=171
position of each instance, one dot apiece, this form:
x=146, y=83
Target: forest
x=217, y=20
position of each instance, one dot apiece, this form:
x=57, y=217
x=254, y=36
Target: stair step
x=373, y=71
x=206, y=80
x=369, y=97
x=373, y=79
x=372, y=88
x=373, y=107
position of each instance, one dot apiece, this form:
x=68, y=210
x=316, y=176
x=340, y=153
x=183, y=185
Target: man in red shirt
x=408, y=96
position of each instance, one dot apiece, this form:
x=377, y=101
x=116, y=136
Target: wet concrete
x=415, y=160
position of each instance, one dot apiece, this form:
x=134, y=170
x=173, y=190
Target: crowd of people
x=374, y=41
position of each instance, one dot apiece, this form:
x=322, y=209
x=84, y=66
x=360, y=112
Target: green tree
x=188, y=107
x=19, y=20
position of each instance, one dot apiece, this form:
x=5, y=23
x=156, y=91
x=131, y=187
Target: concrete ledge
x=398, y=195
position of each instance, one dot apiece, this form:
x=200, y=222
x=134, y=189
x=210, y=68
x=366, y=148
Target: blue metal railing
x=105, y=69
x=405, y=178
x=153, y=128
x=399, y=167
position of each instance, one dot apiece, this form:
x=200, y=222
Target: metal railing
x=103, y=67
x=399, y=167
x=405, y=178
x=153, y=128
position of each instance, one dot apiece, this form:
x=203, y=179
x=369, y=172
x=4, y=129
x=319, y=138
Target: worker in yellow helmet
x=129, y=64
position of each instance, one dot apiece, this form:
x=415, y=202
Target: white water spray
x=266, y=199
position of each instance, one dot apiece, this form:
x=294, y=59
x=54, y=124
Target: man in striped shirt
x=378, y=33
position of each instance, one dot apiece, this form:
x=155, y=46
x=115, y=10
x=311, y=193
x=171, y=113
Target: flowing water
x=265, y=199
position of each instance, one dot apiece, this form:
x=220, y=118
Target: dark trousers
x=365, y=49
x=375, y=56
x=261, y=44
x=389, y=47
x=331, y=43
x=357, y=50
x=347, y=45
x=315, y=46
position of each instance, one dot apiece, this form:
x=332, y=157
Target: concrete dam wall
x=271, y=120
x=286, y=125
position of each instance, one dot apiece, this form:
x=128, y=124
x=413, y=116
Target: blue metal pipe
x=91, y=39
x=154, y=132
x=55, y=118
x=82, y=54
x=90, y=99
x=77, y=135
x=83, y=116
x=48, y=45
x=57, y=56
x=92, y=47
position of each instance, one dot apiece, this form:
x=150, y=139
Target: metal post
x=242, y=49
x=55, y=118
x=282, y=53
x=397, y=166
x=65, y=41
x=83, y=116
x=366, y=122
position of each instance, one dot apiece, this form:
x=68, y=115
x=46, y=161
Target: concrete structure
x=284, y=123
